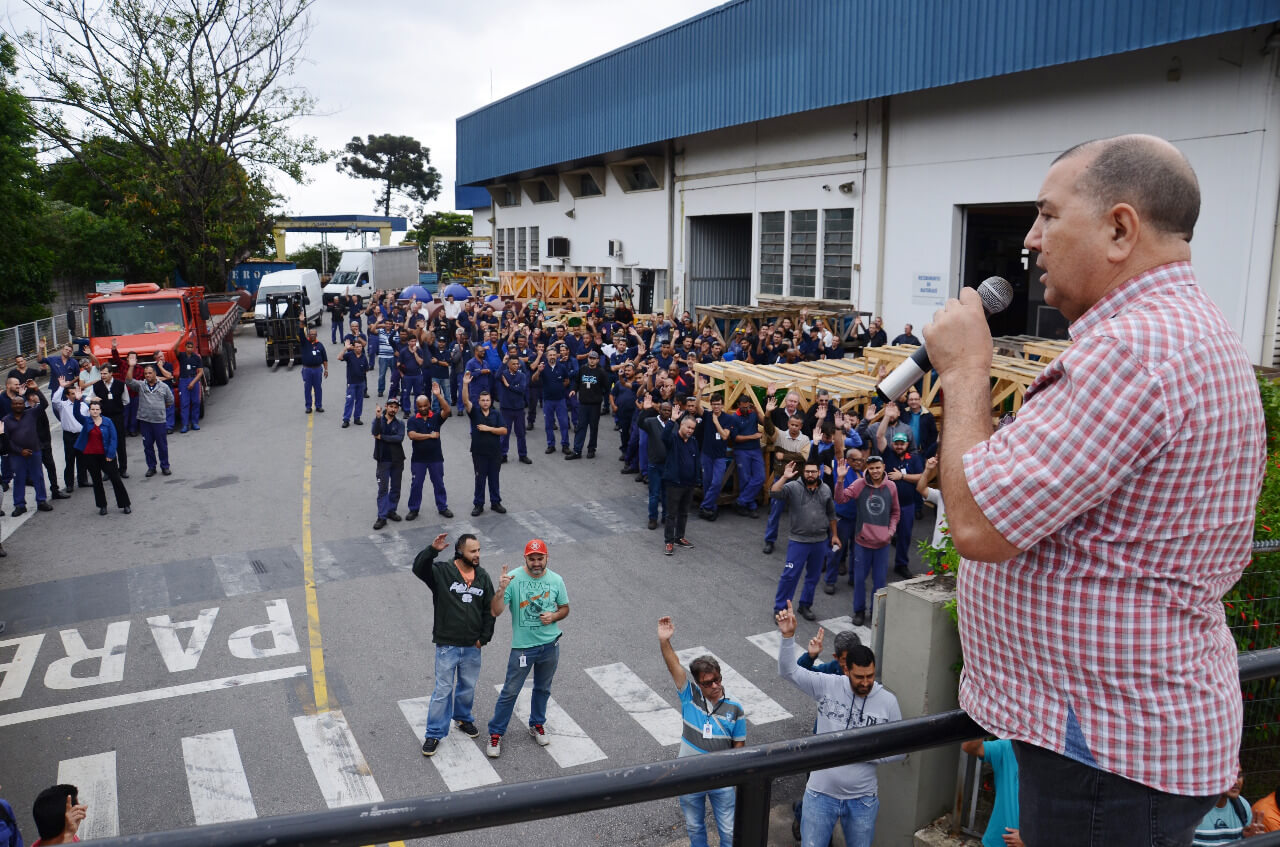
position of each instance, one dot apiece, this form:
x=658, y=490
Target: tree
x=309, y=257
x=194, y=93
x=26, y=262
x=450, y=255
x=402, y=165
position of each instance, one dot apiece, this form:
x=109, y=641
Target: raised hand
x=790, y=472
x=820, y=413
x=786, y=621
x=815, y=644
x=771, y=404
x=505, y=579
x=666, y=628
x=441, y=541
x=466, y=378
x=842, y=468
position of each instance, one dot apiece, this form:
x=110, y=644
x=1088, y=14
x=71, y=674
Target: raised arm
x=666, y=629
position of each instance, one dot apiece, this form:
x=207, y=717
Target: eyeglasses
x=709, y=683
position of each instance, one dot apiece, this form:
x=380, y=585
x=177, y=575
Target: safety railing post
x=751, y=813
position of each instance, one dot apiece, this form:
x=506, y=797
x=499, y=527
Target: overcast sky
x=412, y=68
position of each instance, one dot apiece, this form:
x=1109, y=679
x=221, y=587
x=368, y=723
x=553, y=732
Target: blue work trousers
x=155, y=439
x=712, y=480
x=774, y=521
x=906, y=523
x=418, y=473
x=542, y=660
x=556, y=412
x=411, y=387
x=189, y=400
x=750, y=462
x=312, y=386
x=875, y=562
x=487, y=469
x=801, y=556
x=27, y=469
x=844, y=530
x=457, y=669
x=656, y=497
x=354, y=404
x=513, y=419
x=389, y=477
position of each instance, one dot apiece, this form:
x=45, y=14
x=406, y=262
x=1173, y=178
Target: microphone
x=996, y=294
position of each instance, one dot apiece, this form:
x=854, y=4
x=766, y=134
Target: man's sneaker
x=668, y=549
x=551, y=448
x=653, y=524
x=379, y=523
x=468, y=729
x=525, y=460
x=150, y=472
x=566, y=449
x=499, y=508
x=829, y=588
x=19, y=510
x=684, y=542
x=346, y=424
x=494, y=750
x=477, y=511
x=571, y=455
x=429, y=746
x=43, y=507
x=859, y=618
x=706, y=514
x=768, y=547
x=591, y=454
x=394, y=516
x=903, y=571
x=358, y=422
x=539, y=734
x=806, y=612
x=412, y=516
x=445, y=513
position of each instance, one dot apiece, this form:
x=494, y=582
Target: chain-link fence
x=23, y=339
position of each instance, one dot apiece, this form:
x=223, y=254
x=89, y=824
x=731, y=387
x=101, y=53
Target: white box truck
x=364, y=271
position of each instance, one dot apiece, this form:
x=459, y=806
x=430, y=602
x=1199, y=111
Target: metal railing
x=23, y=339
x=750, y=769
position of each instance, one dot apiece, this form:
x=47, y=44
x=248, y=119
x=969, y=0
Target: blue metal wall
x=756, y=59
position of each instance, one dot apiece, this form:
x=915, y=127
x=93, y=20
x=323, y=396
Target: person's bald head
x=1146, y=172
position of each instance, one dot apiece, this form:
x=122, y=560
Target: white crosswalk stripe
x=488, y=547
x=605, y=517
x=95, y=777
x=541, y=527
x=640, y=701
x=760, y=708
x=339, y=767
x=569, y=745
x=840, y=624
x=458, y=759
x=769, y=641
x=215, y=778
x=396, y=548
x=323, y=560
x=235, y=572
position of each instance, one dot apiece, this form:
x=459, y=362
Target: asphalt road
x=161, y=660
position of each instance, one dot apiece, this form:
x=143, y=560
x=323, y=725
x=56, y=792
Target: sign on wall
x=928, y=289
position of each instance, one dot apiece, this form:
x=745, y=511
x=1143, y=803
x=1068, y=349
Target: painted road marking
x=760, y=708
x=319, y=682
x=607, y=518
x=541, y=527
x=396, y=548
x=236, y=573
x=458, y=759
x=640, y=701
x=569, y=746
x=771, y=640
x=215, y=778
x=488, y=547
x=339, y=767
x=148, y=590
x=95, y=777
x=220, y=684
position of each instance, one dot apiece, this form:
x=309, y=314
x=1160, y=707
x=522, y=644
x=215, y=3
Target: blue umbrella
x=458, y=290
x=416, y=291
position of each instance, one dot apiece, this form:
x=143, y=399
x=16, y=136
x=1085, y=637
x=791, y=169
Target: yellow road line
x=318, y=680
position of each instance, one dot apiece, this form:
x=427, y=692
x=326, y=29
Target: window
x=542, y=189
x=521, y=250
x=500, y=254
x=585, y=182
x=637, y=178
x=587, y=186
x=772, y=249
x=837, y=254
x=511, y=248
x=804, y=252
x=504, y=195
x=624, y=276
x=138, y=317
x=534, y=258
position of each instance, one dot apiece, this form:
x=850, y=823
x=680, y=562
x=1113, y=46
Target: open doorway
x=993, y=236
x=719, y=260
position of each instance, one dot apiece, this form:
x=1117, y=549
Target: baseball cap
x=391, y=400
x=535, y=545
x=593, y=354
x=901, y=436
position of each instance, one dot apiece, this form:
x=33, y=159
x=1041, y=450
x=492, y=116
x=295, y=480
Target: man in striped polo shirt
x=711, y=722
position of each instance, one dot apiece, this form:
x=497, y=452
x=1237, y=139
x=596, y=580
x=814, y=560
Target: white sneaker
x=540, y=735
x=494, y=750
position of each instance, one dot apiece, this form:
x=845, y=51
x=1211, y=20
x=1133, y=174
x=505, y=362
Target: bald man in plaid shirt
x=1090, y=595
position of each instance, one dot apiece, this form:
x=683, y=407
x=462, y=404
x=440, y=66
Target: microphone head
x=996, y=294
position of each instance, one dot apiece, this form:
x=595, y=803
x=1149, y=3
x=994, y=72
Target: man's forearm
x=968, y=423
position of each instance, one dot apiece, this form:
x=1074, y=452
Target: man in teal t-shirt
x=538, y=601
x=1002, y=828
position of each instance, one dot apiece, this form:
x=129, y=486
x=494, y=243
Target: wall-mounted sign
x=928, y=289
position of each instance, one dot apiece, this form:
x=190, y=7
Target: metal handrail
x=750, y=769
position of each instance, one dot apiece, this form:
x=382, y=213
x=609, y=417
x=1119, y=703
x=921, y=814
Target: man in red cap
x=538, y=601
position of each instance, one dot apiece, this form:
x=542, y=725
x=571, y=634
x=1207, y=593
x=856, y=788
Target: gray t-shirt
x=811, y=511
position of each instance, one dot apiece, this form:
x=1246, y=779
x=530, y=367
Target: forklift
x=285, y=328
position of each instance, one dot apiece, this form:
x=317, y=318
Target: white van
x=305, y=280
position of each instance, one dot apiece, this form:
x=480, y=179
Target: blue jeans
x=384, y=365
x=555, y=410
x=389, y=476
x=867, y=560
x=656, y=492
x=457, y=669
x=695, y=815
x=443, y=382
x=750, y=462
x=513, y=419
x=844, y=531
x=775, y=520
x=712, y=479
x=418, y=471
x=542, y=661
x=312, y=379
x=906, y=522
x=335, y=329
x=857, y=817
x=354, y=403
x=800, y=557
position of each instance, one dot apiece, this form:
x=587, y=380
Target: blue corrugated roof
x=470, y=197
x=752, y=60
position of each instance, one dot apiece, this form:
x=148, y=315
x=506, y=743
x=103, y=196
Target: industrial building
x=879, y=153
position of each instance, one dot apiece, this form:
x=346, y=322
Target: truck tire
x=218, y=368
x=261, y=329
x=229, y=350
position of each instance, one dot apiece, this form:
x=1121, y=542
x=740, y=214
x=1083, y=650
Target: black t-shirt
x=188, y=364
x=485, y=443
x=426, y=450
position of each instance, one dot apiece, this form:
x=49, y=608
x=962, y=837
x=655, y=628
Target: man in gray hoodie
x=846, y=793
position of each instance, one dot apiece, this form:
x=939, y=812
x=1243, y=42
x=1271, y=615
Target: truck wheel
x=218, y=367
x=271, y=360
x=229, y=351
x=261, y=330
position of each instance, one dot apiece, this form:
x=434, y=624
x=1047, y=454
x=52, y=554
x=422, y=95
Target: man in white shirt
x=63, y=402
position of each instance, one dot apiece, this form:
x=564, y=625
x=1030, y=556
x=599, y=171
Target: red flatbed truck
x=146, y=319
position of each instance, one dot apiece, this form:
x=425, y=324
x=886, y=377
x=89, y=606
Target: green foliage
x=175, y=114
x=309, y=257
x=400, y=163
x=451, y=256
x=25, y=260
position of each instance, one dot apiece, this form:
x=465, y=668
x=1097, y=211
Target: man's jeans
x=457, y=669
x=656, y=493
x=844, y=531
x=542, y=661
x=418, y=472
x=712, y=480
x=556, y=414
x=857, y=817
x=903, y=541
x=875, y=562
x=695, y=815
x=389, y=476
x=1065, y=803
x=775, y=520
x=750, y=462
x=800, y=557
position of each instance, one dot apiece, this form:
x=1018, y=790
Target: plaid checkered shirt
x=1129, y=480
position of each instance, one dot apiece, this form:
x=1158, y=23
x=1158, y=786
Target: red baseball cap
x=536, y=545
